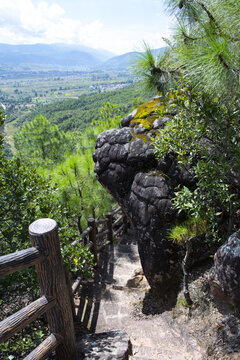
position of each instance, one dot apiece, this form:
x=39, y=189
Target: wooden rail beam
x=101, y=234
x=51, y=275
x=83, y=237
x=71, y=297
x=25, y=316
x=109, y=226
x=76, y=285
x=117, y=221
x=116, y=210
x=20, y=260
x=44, y=349
x=101, y=222
x=118, y=230
x=92, y=237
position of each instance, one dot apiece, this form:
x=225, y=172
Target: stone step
x=104, y=346
x=161, y=354
x=112, y=307
x=130, y=248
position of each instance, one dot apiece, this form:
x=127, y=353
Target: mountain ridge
x=124, y=61
x=62, y=56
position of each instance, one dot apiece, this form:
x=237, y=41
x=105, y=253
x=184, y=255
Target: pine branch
x=189, y=37
x=210, y=16
x=181, y=4
x=223, y=62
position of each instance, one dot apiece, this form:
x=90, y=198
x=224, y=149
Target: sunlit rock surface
x=224, y=277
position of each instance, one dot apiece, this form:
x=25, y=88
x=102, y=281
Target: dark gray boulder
x=127, y=119
x=224, y=276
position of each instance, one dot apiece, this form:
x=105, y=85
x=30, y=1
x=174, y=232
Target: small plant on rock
x=184, y=234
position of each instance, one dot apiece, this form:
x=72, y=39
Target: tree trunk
x=186, y=274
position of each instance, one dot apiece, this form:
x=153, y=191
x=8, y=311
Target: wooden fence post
x=109, y=226
x=51, y=275
x=92, y=237
x=71, y=295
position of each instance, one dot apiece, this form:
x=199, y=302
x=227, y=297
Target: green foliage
x=203, y=136
x=67, y=192
x=109, y=118
x=1, y=135
x=25, y=196
x=203, y=131
x=79, y=260
x=21, y=345
x=155, y=72
x=79, y=190
x=5, y=149
x=7, y=152
x=77, y=114
x=39, y=141
x=206, y=44
x=189, y=229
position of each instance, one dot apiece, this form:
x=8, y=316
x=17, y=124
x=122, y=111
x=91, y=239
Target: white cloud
x=131, y=39
x=22, y=22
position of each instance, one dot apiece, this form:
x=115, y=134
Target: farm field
x=27, y=90
x=69, y=99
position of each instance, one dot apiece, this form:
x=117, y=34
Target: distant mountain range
x=124, y=61
x=61, y=56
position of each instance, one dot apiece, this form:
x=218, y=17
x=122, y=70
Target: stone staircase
x=108, y=303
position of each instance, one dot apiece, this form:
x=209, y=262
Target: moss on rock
x=146, y=109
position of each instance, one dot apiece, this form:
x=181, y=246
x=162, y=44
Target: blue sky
x=118, y=26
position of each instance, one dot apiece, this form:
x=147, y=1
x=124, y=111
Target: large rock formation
x=143, y=185
x=224, y=277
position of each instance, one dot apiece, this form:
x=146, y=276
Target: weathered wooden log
x=51, y=275
x=102, y=234
x=25, y=316
x=76, y=285
x=116, y=210
x=92, y=238
x=85, y=233
x=117, y=221
x=69, y=286
x=103, y=246
x=20, y=260
x=109, y=226
x=118, y=230
x=44, y=349
x=101, y=222
x=83, y=237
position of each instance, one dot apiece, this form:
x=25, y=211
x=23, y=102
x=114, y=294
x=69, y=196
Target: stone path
x=109, y=302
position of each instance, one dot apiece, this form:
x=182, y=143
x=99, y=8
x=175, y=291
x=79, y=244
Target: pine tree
x=206, y=44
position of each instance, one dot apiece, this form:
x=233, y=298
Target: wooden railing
x=55, y=301
x=56, y=288
x=98, y=230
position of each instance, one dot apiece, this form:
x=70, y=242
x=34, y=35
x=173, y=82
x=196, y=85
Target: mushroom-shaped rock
x=125, y=164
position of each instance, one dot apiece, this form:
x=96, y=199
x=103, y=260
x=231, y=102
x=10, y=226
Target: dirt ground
x=215, y=325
